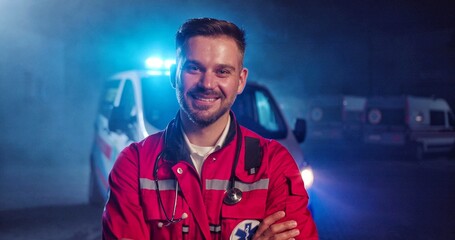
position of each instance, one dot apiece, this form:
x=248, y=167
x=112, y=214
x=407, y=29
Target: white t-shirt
x=198, y=154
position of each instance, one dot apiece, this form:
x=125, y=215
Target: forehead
x=210, y=44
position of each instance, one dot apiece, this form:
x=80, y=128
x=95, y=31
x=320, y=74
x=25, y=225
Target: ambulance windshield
x=160, y=103
x=256, y=110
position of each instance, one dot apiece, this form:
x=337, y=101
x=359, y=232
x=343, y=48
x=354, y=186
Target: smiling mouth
x=205, y=98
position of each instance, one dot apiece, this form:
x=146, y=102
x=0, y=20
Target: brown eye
x=223, y=72
x=192, y=68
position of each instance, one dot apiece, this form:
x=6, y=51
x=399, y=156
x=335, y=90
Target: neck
x=204, y=136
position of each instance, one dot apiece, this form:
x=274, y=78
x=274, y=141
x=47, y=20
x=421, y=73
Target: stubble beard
x=198, y=116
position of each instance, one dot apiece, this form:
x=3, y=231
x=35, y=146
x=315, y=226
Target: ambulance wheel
x=95, y=197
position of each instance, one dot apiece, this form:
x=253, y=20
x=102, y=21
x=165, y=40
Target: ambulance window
x=108, y=96
x=256, y=110
x=437, y=118
x=127, y=101
x=244, y=108
x=160, y=103
x=267, y=116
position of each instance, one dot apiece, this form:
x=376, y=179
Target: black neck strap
x=253, y=155
x=236, y=158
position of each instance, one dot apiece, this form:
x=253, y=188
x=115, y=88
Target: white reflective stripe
x=215, y=228
x=216, y=184
x=262, y=184
x=149, y=184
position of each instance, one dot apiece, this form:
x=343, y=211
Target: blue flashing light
x=168, y=63
x=158, y=73
x=154, y=62
x=158, y=63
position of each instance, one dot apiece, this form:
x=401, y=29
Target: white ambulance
x=416, y=125
x=135, y=104
x=335, y=117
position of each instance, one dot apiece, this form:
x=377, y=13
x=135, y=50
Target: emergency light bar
x=159, y=66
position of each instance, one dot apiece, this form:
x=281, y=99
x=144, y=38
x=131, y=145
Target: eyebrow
x=199, y=64
x=192, y=62
x=227, y=66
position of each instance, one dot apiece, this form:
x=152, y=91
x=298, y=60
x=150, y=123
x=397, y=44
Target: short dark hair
x=210, y=27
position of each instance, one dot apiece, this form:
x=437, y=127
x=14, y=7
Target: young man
x=205, y=176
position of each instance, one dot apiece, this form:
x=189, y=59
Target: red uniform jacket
x=135, y=210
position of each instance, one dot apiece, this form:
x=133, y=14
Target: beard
x=203, y=115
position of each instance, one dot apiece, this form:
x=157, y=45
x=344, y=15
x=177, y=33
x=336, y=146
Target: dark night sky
x=55, y=54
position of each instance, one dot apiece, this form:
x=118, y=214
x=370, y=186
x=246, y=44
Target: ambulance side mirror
x=300, y=130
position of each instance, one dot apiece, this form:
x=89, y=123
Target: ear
x=173, y=74
x=242, y=80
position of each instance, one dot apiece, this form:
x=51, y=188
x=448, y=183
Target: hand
x=269, y=229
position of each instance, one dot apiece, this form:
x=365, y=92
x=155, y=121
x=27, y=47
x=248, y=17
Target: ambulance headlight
x=419, y=117
x=316, y=114
x=307, y=176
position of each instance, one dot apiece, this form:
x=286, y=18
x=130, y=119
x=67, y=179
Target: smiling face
x=209, y=76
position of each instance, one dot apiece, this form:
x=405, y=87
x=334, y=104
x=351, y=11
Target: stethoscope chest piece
x=232, y=196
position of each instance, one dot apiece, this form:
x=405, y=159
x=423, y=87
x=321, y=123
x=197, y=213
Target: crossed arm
x=269, y=229
x=287, y=215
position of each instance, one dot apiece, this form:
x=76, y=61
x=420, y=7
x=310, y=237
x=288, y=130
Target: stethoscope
x=232, y=195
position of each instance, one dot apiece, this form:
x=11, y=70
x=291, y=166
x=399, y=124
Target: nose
x=207, y=80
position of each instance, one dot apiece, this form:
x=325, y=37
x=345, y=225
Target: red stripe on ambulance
x=105, y=148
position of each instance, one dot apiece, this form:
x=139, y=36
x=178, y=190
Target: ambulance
x=335, y=118
x=416, y=126
x=137, y=103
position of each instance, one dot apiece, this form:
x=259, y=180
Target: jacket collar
x=175, y=147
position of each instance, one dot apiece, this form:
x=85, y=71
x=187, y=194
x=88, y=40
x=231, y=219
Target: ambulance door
x=102, y=152
x=123, y=121
x=115, y=129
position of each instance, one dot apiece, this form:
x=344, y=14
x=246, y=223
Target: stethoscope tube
x=232, y=195
x=172, y=219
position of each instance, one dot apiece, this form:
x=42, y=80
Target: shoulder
x=271, y=146
x=138, y=156
x=273, y=152
x=152, y=141
x=135, y=150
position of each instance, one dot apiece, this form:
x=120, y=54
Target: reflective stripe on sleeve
x=222, y=185
x=149, y=184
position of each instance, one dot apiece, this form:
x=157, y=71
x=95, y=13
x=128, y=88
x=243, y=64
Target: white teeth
x=206, y=99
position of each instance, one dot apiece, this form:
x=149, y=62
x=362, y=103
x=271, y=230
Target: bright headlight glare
x=307, y=176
